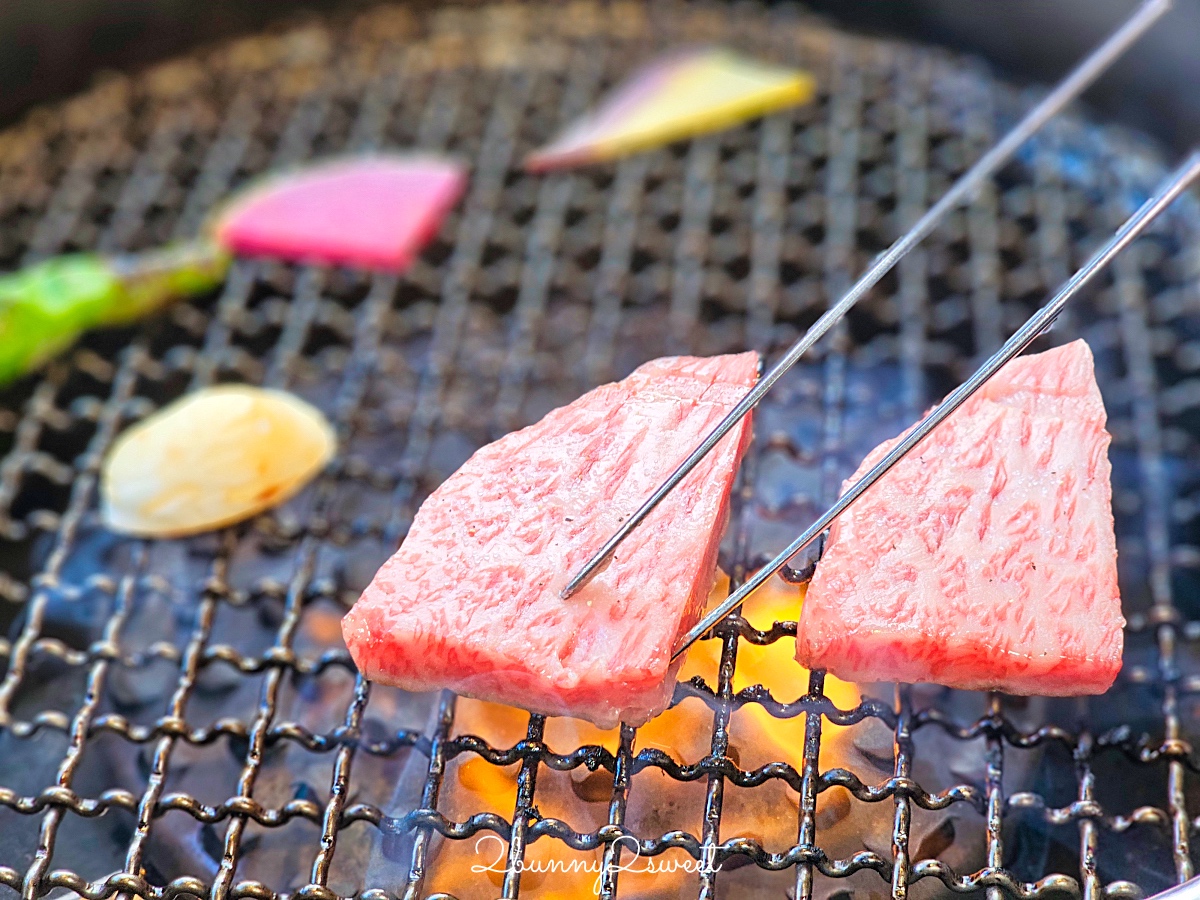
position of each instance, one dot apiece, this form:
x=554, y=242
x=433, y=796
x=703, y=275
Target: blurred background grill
x=180, y=718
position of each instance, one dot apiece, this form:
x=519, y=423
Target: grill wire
x=539, y=288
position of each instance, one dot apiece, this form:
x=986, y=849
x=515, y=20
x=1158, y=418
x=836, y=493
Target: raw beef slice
x=986, y=558
x=470, y=600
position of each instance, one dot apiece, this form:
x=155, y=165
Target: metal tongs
x=967, y=184
x=1188, y=890
x=1175, y=185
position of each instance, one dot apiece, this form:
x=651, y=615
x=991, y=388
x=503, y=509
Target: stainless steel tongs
x=962, y=190
x=1176, y=184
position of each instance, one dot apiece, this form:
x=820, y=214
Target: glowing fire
x=657, y=803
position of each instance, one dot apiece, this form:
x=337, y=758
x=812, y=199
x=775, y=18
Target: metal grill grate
x=536, y=290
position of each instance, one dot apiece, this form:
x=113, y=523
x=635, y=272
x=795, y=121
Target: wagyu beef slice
x=986, y=558
x=470, y=600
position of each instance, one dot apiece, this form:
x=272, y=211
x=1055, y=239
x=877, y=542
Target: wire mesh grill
x=184, y=703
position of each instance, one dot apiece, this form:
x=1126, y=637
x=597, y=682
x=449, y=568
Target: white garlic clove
x=211, y=459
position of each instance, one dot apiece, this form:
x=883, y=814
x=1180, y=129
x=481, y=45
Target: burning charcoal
x=832, y=807
x=30, y=765
x=658, y=804
x=592, y=787
x=218, y=678
x=163, y=611
x=154, y=621
x=77, y=605
x=805, y=563
x=180, y=845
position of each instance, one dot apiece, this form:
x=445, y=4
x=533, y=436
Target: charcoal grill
x=536, y=289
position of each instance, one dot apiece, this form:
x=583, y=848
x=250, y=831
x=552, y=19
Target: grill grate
x=537, y=289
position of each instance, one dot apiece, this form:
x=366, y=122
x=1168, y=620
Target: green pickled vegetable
x=44, y=308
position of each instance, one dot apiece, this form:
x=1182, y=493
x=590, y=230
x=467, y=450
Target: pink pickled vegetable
x=373, y=212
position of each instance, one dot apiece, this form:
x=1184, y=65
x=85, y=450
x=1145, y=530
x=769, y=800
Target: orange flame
x=657, y=803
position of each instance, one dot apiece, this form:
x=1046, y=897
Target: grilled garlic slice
x=213, y=458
